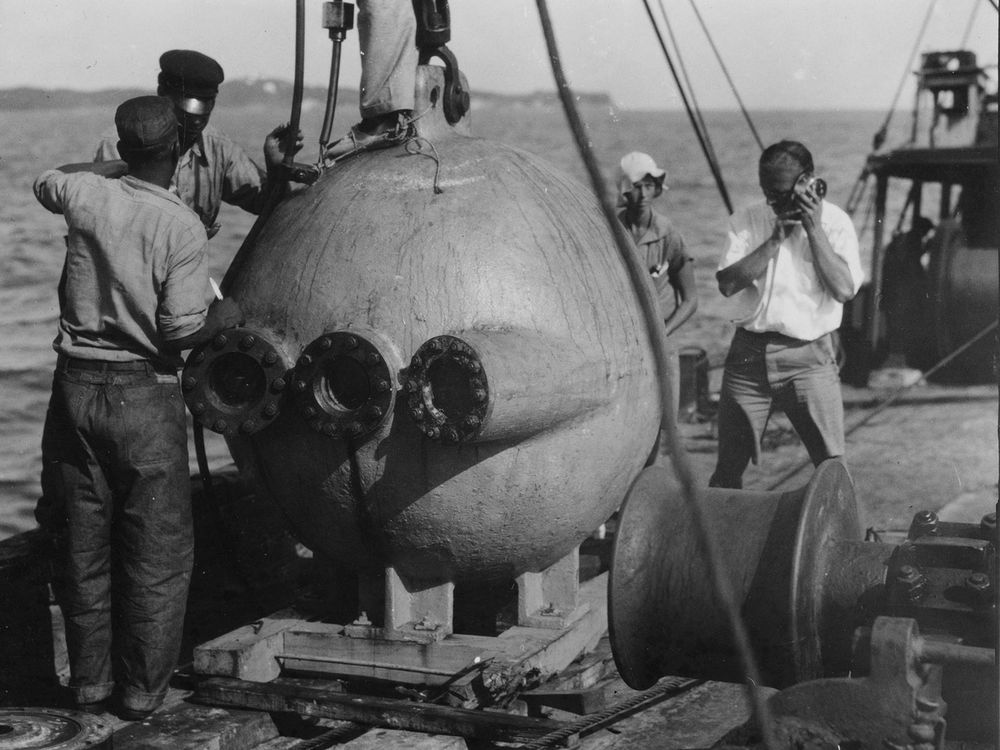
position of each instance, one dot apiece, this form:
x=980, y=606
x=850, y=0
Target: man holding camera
x=790, y=264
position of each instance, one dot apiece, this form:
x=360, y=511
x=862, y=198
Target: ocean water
x=31, y=239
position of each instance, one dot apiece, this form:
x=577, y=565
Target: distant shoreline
x=271, y=92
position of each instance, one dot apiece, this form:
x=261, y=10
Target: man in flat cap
x=212, y=168
x=114, y=448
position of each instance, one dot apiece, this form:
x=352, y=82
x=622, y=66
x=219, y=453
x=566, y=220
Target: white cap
x=634, y=167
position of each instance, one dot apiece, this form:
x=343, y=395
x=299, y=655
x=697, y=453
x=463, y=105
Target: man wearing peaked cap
x=114, y=448
x=212, y=169
x=190, y=73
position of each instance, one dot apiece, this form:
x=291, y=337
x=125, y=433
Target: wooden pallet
x=465, y=671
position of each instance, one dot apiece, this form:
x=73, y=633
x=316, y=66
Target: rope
x=655, y=330
x=666, y=688
x=687, y=106
x=891, y=398
x=687, y=84
x=968, y=26
x=880, y=134
x=732, y=86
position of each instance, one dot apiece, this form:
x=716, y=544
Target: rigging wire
x=687, y=83
x=725, y=72
x=657, y=336
x=968, y=26
x=891, y=398
x=720, y=184
x=881, y=133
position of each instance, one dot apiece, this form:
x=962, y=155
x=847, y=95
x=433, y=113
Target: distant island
x=264, y=92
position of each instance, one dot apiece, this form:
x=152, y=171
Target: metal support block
x=549, y=599
x=417, y=610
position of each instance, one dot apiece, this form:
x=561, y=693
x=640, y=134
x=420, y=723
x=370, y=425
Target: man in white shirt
x=789, y=265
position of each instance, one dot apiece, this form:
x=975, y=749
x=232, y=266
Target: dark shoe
x=132, y=714
x=389, y=131
x=97, y=708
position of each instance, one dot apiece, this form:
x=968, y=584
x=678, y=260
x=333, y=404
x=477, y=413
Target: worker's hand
x=810, y=207
x=225, y=313
x=783, y=226
x=276, y=146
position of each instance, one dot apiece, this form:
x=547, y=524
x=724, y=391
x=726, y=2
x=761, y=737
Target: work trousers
x=115, y=475
x=387, y=31
x=799, y=377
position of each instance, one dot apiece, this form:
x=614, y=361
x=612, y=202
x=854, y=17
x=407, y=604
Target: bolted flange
x=343, y=385
x=233, y=383
x=447, y=390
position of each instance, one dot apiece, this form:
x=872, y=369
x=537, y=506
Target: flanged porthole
x=343, y=385
x=234, y=383
x=447, y=390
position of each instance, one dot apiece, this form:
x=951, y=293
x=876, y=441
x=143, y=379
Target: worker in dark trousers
x=115, y=463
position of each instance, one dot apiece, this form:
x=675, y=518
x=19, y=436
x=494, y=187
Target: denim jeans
x=115, y=472
x=799, y=377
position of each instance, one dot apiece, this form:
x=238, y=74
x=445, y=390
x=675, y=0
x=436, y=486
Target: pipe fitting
x=484, y=385
x=441, y=391
x=233, y=383
x=343, y=384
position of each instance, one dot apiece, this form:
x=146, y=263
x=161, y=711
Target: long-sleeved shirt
x=214, y=170
x=790, y=298
x=136, y=273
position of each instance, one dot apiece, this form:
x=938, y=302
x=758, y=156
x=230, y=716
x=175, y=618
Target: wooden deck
x=934, y=448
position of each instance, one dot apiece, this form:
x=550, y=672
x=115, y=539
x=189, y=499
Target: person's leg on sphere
x=387, y=36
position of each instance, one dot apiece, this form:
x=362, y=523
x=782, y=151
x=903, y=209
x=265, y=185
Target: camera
x=809, y=183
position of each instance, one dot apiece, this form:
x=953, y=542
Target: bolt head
x=189, y=382
x=278, y=385
x=198, y=407
x=978, y=581
x=248, y=426
x=325, y=343
x=270, y=410
x=248, y=342
x=219, y=425
x=220, y=341
x=270, y=358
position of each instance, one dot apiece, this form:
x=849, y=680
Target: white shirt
x=789, y=298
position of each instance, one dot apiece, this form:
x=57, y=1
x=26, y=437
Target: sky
x=780, y=54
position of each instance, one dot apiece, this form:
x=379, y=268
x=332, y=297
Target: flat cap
x=190, y=73
x=145, y=123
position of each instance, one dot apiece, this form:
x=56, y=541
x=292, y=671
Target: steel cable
x=665, y=688
x=725, y=72
x=655, y=330
x=892, y=397
x=706, y=150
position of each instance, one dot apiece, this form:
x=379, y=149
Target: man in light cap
x=790, y=263
x=115, y=480
x=659, y=245
x=212, y=169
